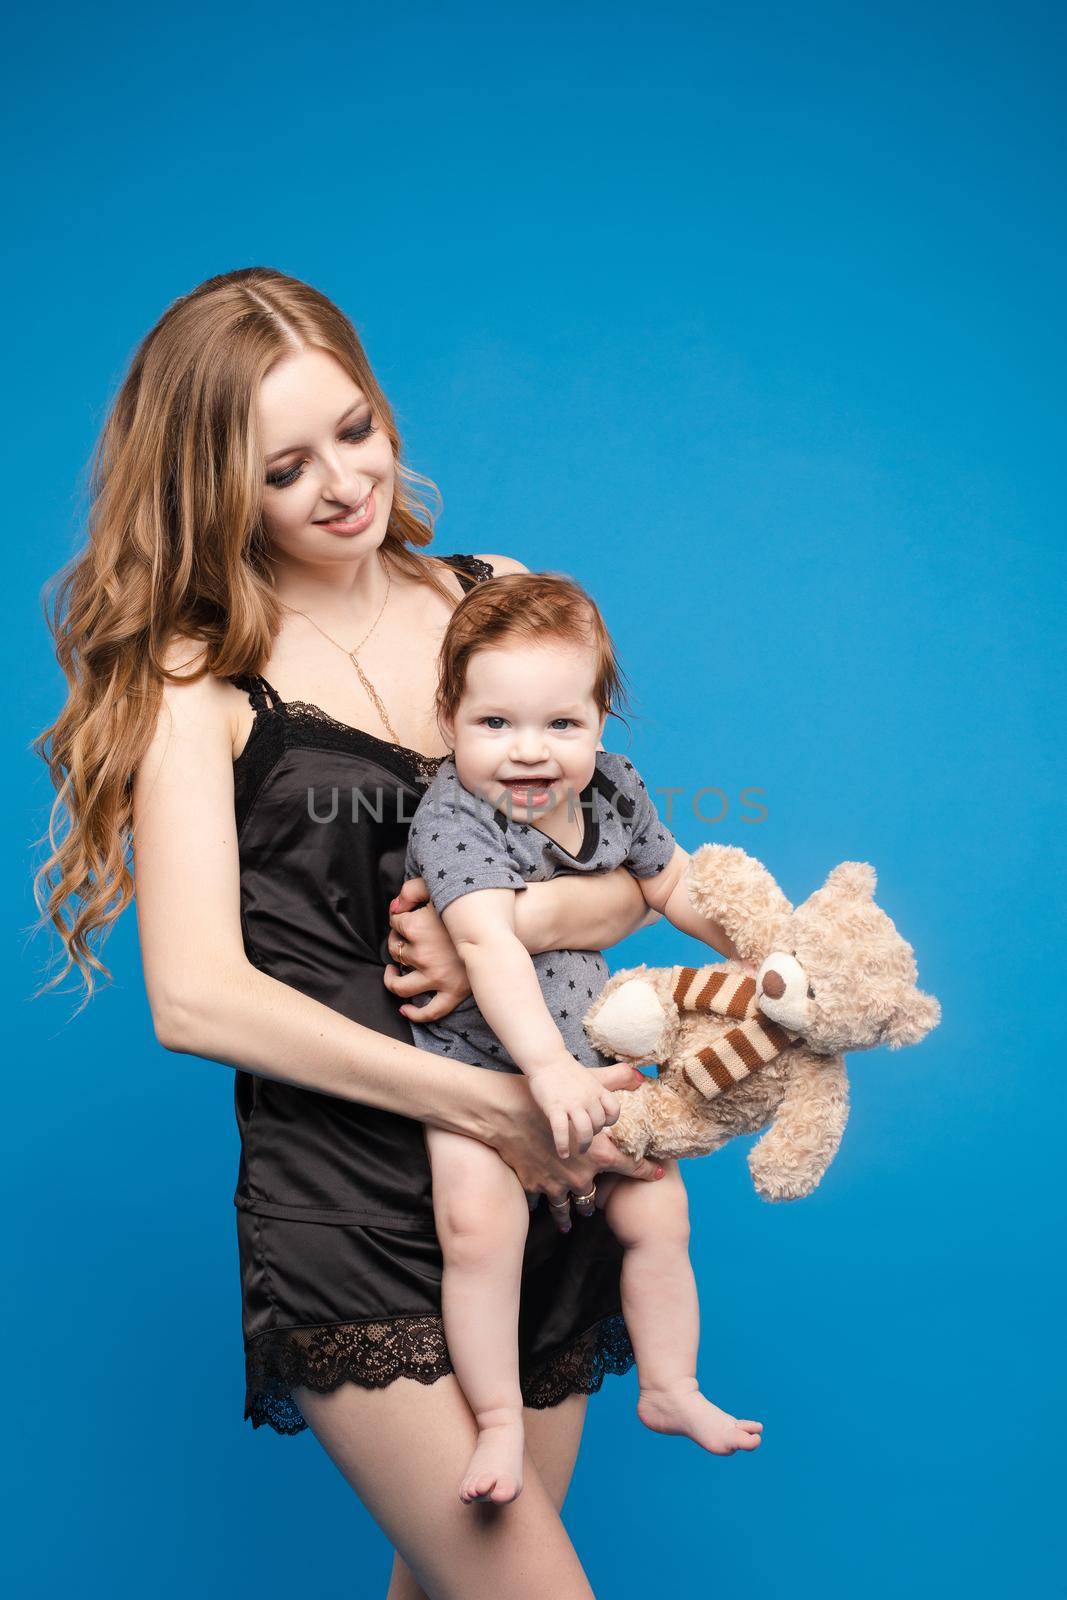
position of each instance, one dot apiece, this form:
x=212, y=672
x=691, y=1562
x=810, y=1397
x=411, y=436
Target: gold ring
x=560, y=1205
x=584, y=1199
x=400, y=953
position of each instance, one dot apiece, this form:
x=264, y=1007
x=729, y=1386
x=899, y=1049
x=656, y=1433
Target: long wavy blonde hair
x=176, y=547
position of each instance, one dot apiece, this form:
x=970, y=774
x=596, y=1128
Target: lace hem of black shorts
x=373, y=1354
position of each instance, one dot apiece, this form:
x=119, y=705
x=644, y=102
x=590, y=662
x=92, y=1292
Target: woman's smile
x=353, y=521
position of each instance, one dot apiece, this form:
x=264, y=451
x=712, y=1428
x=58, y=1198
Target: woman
x=250, y=642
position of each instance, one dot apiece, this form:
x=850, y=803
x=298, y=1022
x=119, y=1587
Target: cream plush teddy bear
x=741, y=1044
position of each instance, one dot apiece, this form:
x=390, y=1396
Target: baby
x=527, y=675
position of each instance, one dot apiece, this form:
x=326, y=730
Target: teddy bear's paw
x=630, y=1132
x=631, y=1022
x=781, y=1183
x=731, y=887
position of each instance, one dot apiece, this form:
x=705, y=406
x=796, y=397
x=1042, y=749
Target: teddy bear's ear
x=912, y=1021
x=857, y=879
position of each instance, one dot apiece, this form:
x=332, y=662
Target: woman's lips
x=347, y=524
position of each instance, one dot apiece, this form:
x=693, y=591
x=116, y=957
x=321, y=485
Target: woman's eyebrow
x=289, y=448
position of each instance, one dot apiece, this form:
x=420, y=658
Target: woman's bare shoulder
x=195, y=700
x=502, y=564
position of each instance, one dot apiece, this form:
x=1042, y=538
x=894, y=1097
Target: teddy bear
x=761, y=1040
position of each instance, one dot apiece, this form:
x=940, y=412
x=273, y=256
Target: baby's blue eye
x=493, y=722
x=567, y=721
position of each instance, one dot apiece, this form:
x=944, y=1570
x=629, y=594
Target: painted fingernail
x=659, y=1172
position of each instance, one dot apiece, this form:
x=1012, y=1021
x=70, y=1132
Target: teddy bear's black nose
x=773, y=984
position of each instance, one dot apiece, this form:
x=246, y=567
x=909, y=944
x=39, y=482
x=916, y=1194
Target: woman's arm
x=205, y=996
x=582, y=911
x=575, y=912
x=207, y=999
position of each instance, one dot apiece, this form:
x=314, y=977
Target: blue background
x=752, y=321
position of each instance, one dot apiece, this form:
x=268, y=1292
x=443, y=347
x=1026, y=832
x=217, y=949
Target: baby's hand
x=572, y=1097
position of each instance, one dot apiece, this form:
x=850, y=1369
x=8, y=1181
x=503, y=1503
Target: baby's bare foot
x=683, y=1409
x=495, y=1469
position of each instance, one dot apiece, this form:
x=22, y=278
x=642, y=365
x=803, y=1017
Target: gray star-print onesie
x=458, y=843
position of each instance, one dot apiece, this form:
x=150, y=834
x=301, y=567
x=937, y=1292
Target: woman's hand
x=419, y=942
x=520, y=1134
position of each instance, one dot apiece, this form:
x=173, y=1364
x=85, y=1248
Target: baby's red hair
x=533, y=607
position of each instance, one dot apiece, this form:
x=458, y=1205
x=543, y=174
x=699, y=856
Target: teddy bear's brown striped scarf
x=744, y=1049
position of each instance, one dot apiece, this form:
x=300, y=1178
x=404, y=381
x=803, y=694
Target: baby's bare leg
x=659, y=1302
x=482, y=1217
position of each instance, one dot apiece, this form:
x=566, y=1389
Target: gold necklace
x=351, y=654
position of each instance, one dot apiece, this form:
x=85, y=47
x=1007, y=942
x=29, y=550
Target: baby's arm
x=504, y=982
x=668, y=893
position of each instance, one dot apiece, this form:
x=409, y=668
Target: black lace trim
x=327, y=732
x=479, y=570
x=374, y=1354
x=582, y=1367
